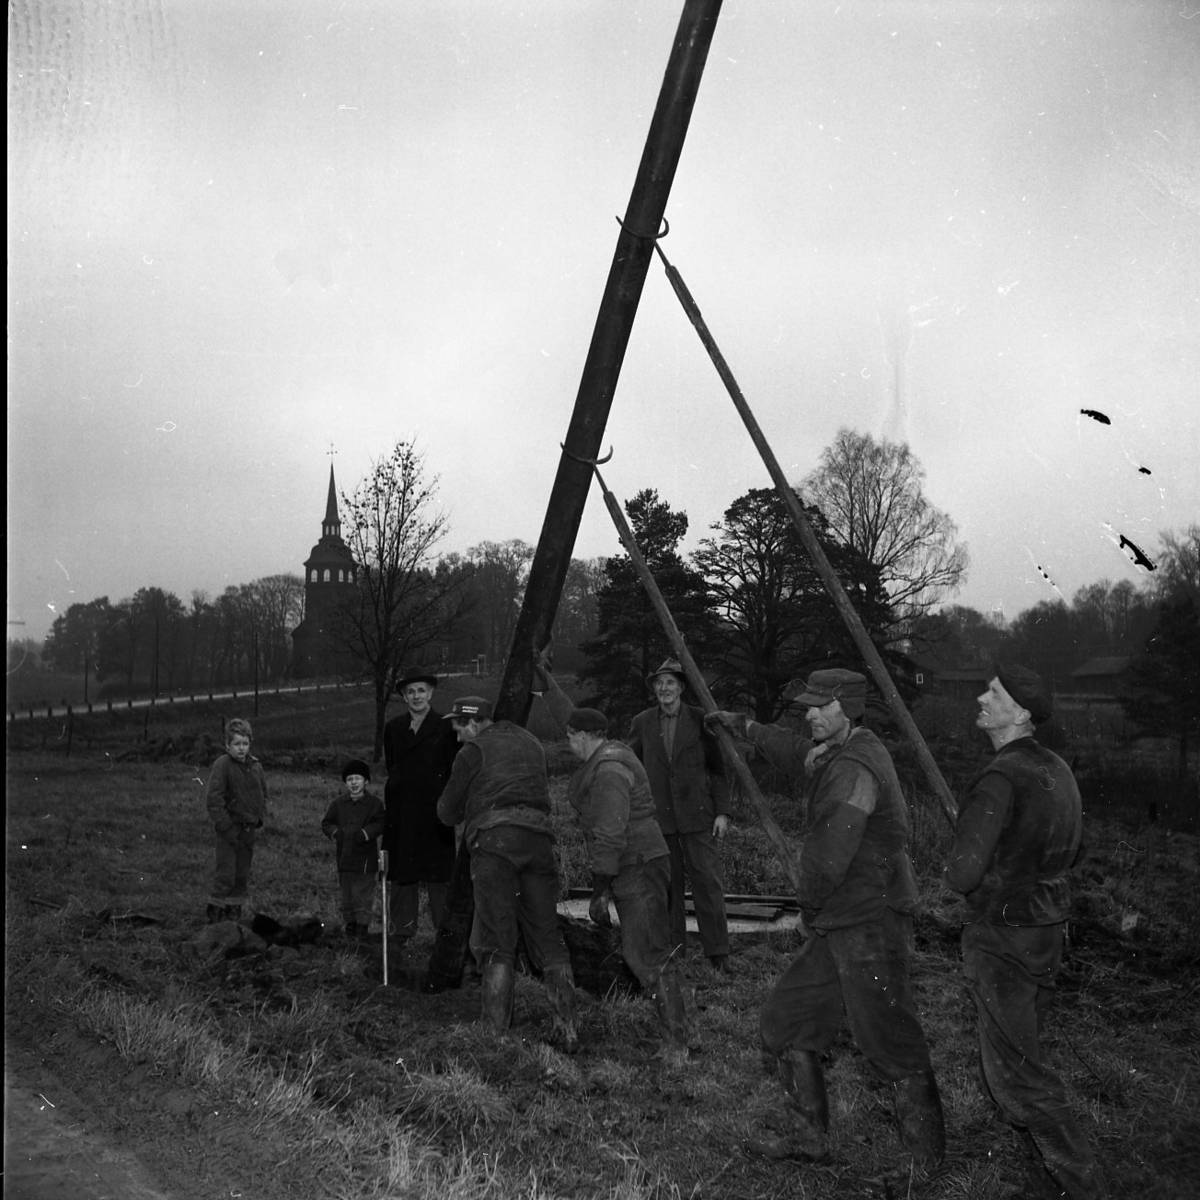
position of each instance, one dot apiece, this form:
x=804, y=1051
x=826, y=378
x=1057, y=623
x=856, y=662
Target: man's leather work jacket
x=1018, y=834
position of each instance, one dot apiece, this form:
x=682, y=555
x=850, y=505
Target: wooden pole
x=597, y=386
x=774, y=834
x=833, y=585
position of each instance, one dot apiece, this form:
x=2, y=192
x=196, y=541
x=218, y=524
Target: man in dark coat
x=419, y=749
x=691, y=795
x=858, y=892
x=1018, y=834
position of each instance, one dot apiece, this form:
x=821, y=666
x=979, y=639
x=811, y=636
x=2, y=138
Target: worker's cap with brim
x=416, y=677
x=588, y=720
x=1027, y=688
x=470, y=708
x=670, y=666
x=356, y=766
x=823, y=687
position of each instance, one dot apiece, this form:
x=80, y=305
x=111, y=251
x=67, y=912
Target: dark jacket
x=420, y=848
x=354, y=825
x=689, y=785
x=1018, y=834
x=854, y=864
x=611, y=794
x=498, y=779
x=236, y=793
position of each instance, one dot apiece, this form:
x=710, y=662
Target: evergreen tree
x=775, y=621
x=630, y=641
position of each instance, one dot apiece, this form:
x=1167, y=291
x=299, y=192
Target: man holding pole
x=629, y=860
x=857, y=895
x=499, y=791
x=1018, y=834
x=691, y=794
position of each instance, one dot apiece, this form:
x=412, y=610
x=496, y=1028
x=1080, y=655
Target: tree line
x=748, y=599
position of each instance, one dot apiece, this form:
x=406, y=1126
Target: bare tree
x=1178, y=574
x=871, y=495
x=578, y=609
x=501, y=569
x=276, y=604
x=400, y=603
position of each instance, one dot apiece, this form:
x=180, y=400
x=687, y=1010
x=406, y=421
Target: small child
x=237, y=802
x=354, y=821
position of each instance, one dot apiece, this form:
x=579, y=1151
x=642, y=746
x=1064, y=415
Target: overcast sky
x=241, y=231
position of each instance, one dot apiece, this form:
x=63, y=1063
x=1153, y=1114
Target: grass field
x=294, y=1072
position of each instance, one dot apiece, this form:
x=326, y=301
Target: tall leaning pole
x=601, y=370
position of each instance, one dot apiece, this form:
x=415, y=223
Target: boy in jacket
x=354, y=821
x=236, y=798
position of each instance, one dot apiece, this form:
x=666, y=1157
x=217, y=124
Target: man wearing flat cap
x=629, y=859
x=1018, y=834
x=499, y=791
x=687, y=777
x=858, y=892
x=419, y=750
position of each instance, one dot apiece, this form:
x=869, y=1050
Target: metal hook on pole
x=588, y=462
x=650, y=237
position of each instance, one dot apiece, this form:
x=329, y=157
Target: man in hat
x=858, y=892
x=1018, y=834
x=691, y=794
x=499, y=790
x=630, y=862
x=419, y=750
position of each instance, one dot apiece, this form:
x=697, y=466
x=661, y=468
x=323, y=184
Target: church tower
x=329, y=572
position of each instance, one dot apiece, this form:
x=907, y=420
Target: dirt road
x=49, y=1151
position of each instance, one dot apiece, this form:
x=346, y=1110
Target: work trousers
x=857, y=975
x=235, y=853
x=358, y=896
x=1010, y=973
x=696, y=857
x=640, y=893
x=515, y=879
x=404, y=905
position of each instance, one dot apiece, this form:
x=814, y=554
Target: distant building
x=1109, y=676
x=329, y=572
x=964, y=684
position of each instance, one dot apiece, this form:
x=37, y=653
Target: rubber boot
x=1070, y=1162
x=214, y=913
x=922, y=1125
x=561, y=986
x=498, y=981
x=808, y=1135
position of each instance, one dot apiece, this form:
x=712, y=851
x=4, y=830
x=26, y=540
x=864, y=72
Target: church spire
x=332, y=525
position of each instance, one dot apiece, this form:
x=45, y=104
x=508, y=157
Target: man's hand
x=598, y=905
x=720, y=827
x=736, y=723
x=813, y=757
